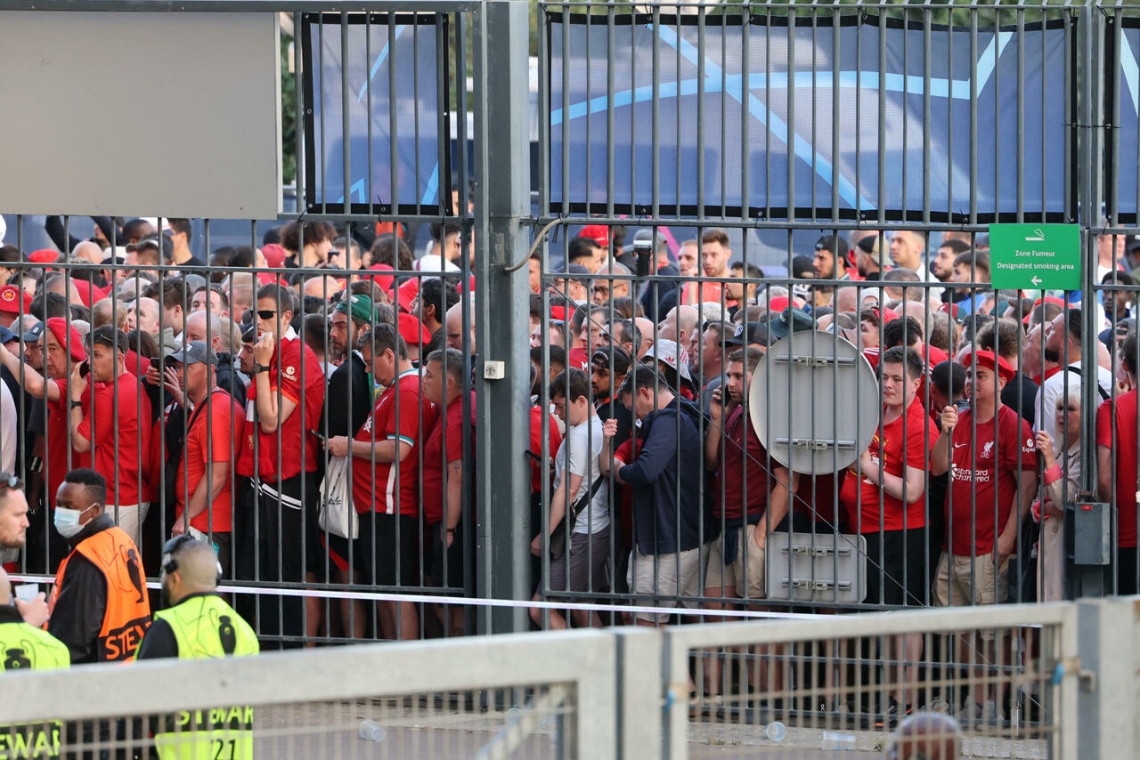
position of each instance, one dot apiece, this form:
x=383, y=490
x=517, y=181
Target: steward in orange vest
x=99, y=607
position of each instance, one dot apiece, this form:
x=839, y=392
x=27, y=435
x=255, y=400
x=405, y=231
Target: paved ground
x=418, y=732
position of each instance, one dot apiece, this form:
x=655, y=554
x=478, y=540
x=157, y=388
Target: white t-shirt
x=579, y=454
x=9, y=432
x=1053, y=388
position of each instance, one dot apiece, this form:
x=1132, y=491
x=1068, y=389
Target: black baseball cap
x=194, y=352
x=833, y=243
x=748, y=334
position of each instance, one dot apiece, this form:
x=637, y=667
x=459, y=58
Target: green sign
x=1035, y=256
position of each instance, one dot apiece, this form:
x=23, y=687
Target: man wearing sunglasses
x=198, y=624
x=280, y=453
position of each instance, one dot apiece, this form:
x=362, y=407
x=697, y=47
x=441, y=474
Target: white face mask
x=67, y=521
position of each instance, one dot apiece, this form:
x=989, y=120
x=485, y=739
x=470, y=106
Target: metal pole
x=1089, y=581
x=502, y=200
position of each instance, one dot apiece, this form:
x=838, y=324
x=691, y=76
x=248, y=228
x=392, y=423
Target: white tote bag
x=337, y=514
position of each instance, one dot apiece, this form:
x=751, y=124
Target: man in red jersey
x=280, y=454
x=205, y=470
x=1116, y=453
x=386, y=467
x=882, y=498
x=752, y=498
x=63, y=350
x=115, y=427
x=991, y=456
x=444, y=480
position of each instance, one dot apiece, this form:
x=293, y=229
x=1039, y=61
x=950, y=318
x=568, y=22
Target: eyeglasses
x=266, y=314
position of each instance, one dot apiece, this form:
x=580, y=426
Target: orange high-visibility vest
x=128, y=607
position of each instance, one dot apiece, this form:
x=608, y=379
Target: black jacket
x=339, y=417
x=82, y=603
x=666, y=481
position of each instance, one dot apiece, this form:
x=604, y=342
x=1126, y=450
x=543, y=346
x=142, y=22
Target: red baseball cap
x=11, y=298
x=407, y=293
x=384, y=281
x=558, y=312
x=59, y=328
x=43, y=256
x=412, y=330
x=991, y=362
x=274, y=254
x=88, y=293
x=599, y=233
x=778, y=304
x=886, y=316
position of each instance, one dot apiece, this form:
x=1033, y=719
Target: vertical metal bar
x=588, y=156
x=299, y=110
x=881, y=141
x=927, y=39
x=443, y=127
x=655, y=161
x=501, y=46
x=1071, y=105
x=393, y=123
x=790, y=61
x=369, y=191
x=768, y=99
x=1020, y=116
x=544, y=106
x=974, y=118
x=611, y=57
x=1091, y=172
x=322, y=163
x=745, y=118
x=702, y=57
x=564, y=64
x=836, y=37
x=345, y=105
x=416, y=170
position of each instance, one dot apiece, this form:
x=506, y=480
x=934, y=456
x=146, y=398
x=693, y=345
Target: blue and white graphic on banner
x=370, y=105
x=789, y=118
x=1127, y=134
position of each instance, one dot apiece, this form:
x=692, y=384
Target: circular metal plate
x=814, y=402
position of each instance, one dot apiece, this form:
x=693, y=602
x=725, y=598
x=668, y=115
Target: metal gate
x=862, y=135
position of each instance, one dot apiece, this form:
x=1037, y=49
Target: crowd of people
x=235, y=406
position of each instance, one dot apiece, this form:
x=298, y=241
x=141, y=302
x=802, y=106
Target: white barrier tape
x=481, y=602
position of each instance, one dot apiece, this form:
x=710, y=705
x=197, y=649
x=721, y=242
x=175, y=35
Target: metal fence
x=511, y=697
x=1062, y=689
x=796, y=687
x=870, y=137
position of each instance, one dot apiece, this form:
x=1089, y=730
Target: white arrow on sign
x=1036, y=280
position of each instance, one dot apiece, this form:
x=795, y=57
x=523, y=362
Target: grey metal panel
x=150, y=114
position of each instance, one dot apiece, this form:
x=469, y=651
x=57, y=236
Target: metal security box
x=821, y=568
x=1088, y=530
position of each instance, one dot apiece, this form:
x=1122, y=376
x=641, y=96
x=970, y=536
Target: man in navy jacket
x=665, y=479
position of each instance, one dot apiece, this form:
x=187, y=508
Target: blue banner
x=409, y=45
x=762, y=112
x=1123, y=176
